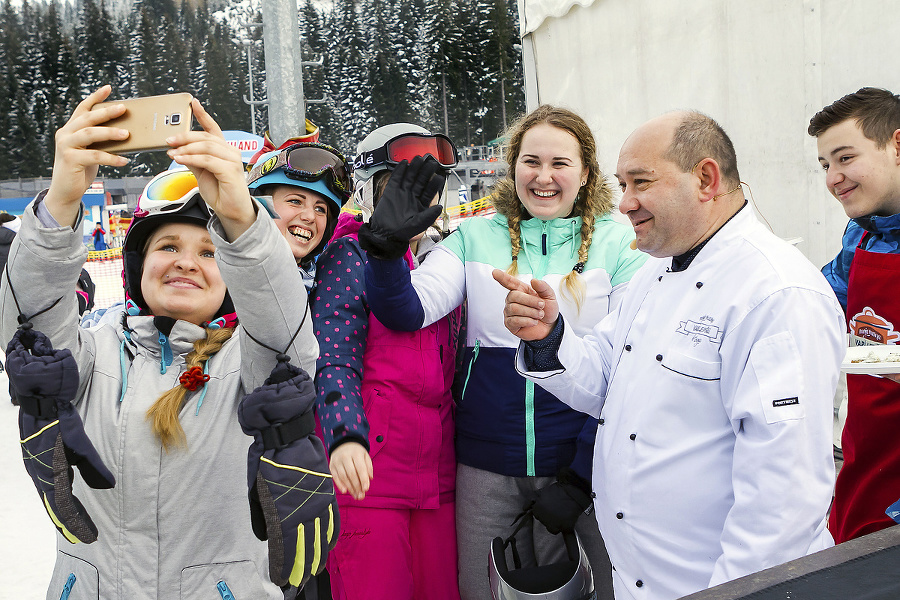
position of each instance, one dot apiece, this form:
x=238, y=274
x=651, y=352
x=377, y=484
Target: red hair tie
x=193, y=378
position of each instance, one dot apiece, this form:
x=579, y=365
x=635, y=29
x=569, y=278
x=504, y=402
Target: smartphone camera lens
x=173, y=119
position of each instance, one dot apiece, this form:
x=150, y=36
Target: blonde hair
x=595, y=198
x=164, y=412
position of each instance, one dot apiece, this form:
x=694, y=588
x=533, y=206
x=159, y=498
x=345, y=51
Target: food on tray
x=871, y=357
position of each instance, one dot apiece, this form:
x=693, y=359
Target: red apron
x=869, y=481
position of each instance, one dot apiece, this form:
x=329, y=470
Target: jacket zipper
x=471, y=362
x=224, y=591
x=67, y=588
x=530, y=441
x=545, y=255
x=165, y=353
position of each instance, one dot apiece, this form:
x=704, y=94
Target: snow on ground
x=28, y=548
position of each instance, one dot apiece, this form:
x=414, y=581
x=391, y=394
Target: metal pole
x=284, y=80
x=250, y=75
x=502, y=87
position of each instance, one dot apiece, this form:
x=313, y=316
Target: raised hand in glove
x=52, y=434
x=292, y=503
x=559, y=504
x=404, y=209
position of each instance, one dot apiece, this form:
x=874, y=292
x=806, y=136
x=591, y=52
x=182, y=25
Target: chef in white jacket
x=713, y=381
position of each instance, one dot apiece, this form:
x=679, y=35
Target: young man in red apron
x=858, y=141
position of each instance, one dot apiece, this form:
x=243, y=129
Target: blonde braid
x=164, y=412
x=574, y=282
x=515, y=243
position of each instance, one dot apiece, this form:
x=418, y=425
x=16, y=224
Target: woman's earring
x=584, y=183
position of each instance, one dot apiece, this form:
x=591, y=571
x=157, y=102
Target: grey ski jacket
x=177, y=524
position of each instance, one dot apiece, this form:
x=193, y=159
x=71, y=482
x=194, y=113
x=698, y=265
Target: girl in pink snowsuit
x=386, y=412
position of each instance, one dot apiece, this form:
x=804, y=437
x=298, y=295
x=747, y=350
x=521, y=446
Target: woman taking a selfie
x=152, y=409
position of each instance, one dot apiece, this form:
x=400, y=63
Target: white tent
x=761, y=68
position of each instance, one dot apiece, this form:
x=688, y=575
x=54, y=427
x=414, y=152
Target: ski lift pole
x=248, y=44
x=284, y=78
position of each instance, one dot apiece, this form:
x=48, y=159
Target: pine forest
x=448, y=65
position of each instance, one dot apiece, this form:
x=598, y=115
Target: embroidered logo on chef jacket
x=867, y=328
x=703, y=327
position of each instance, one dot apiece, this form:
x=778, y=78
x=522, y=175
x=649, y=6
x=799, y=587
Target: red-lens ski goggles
x=408, y=146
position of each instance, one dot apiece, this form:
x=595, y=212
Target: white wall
x=761, y=68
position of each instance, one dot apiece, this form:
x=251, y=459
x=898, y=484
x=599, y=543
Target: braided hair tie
x=578, y=268
x=193, y=378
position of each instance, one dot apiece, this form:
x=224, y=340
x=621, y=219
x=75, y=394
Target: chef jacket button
x=620, y=515
x=639, y=583
x=601, y=421
x=699, y=284
x=633, y=436
x=379, y=438
x=659, y=357
x=627, y=347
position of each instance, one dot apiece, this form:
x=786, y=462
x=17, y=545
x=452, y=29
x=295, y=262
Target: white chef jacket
x=714, y=388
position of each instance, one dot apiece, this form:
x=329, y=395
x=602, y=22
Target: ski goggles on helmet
x=309, y=161
x=406, y=147
x=167, y=192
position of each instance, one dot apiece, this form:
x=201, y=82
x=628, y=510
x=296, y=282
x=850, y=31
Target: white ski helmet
x=386, y=147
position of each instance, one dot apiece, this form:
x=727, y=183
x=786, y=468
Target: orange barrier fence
x=476, y=208
x=105, y=269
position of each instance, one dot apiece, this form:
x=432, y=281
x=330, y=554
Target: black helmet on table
x=569, y=579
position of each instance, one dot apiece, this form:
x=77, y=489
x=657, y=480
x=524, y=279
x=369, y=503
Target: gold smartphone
x=150, y=120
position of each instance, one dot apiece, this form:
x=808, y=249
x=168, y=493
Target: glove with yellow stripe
x=53, y=439
x=292, y=503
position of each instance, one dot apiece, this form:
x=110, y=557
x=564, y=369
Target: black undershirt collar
x=164, y=324
x=683, y=261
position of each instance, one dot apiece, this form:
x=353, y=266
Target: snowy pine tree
x=348, y=81
x=448, y=65
x=97, y=48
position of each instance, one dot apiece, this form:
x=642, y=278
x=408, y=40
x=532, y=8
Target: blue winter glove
x=52, y=434
x=292, y=502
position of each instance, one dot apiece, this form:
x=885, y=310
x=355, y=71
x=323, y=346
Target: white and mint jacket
x=504, y=424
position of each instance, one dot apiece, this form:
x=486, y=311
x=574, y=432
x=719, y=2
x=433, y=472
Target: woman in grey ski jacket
x=159, y=392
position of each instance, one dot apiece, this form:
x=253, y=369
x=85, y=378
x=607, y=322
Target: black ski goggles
x=408, y=146
x=309, y=161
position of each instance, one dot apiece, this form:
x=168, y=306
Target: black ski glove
x=292, y=503
x=53, y=439
x=559, y=504
x=403, y=210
